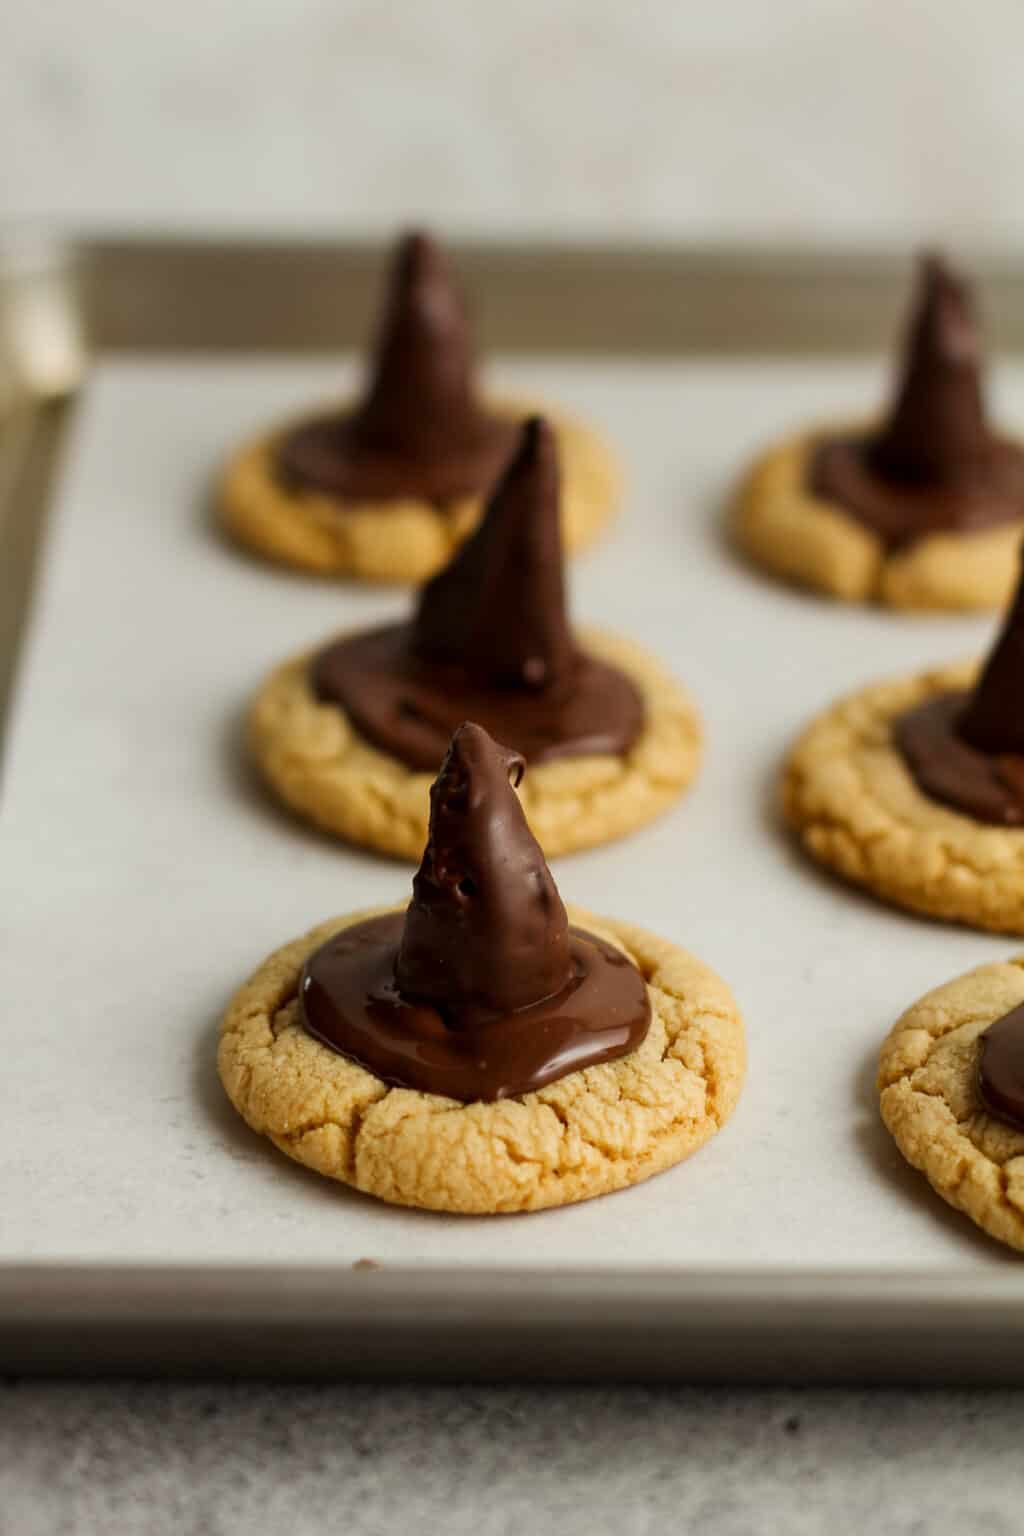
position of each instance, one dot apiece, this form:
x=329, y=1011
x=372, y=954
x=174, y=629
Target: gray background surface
x=158, y=1460
x=823, y=120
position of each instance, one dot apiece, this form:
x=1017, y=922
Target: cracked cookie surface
x=795, y=534
x=403, y=541
x=928, y=1094
x=321, y=767
x=591, y=1132
x=849, y=794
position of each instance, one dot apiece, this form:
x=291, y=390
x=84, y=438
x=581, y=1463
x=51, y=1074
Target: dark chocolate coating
x=481, y=990
x=409, y=709
x=486, y=931
x=967, y=748
x=994, y=718
x=498, y=607
x=420, y=431
x=490, y=641
x=935, y=465
x=1001, y=1068
x=947, y=768
x=351, y=1003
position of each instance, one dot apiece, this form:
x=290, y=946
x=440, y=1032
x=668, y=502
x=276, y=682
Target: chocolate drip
x=490, y=641
x=934, y=465
x=987, y=787
x=482, y=991
x=1001, y=1068
x=486, y=931
x=499, y=607
x=994, y=718
x=936, y=431
x=967, y=749
x=420, y=429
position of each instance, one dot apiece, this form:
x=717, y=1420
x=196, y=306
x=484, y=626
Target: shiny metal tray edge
x=147, y=295
x=502, y=1325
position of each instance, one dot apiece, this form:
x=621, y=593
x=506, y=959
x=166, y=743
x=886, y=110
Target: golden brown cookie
x=587, y=1134
x=857, y=809
x=397, y=541
x=321, y=767
x=927, y=1082
x=790, y=531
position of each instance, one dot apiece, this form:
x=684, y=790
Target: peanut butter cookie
x=320, y=766
x=386, y=487
x=351, y=736
x=405, y=540
x=789, y=529
x=850, y=794
x=924, y=510
x=587, y=1134
x=932, y=1104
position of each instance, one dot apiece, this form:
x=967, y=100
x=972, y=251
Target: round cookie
x=787, y=529
x=587, y=1134
x=321, y=767
x=927, y=1082
x=857, y=809
x=397, y=541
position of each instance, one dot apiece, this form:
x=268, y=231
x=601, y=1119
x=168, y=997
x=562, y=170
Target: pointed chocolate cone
x=936, y=427
x=993, y=720
x=486, y=932
x=421, y=395
x=499, y=607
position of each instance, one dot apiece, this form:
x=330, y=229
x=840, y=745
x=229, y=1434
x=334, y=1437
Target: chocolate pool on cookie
x=923, y=511
x=386, y=487
x=915, y=788
x=951, y=1091
x=485, y=1050
x=350, y=735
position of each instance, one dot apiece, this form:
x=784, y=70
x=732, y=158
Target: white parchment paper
x=143, y=874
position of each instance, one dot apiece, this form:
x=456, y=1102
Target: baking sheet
x=143, y=873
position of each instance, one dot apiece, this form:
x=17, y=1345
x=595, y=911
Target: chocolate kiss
x=993, y=720
x=936, y=429
x=420, y=401
x=498, y=608
x=486, y=932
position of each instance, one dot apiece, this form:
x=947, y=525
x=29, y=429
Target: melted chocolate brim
x=410, y=708
x=349, y=1001
x=328, y=455
x=989, y=492
x=945, y=767
x=1001, y=1068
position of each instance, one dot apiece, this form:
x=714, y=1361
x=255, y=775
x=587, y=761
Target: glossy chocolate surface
x=409, y=709
x=351, y=1002
x=490, y=641
x=1001, y=1068
x=935, y=466
x=480, y=990
x=420, y=431
x=946, y=767
x=993, y=720
x=966, y=748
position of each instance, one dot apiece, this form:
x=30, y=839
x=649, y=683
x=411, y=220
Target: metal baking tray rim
x=706, y=1325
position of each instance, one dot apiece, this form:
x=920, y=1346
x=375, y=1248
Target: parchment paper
x=144, y=874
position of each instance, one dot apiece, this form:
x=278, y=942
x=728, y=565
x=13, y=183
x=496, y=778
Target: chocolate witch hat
x=993, y=720
x=498, y=608
x=936, y=431
x=420, y=430
x=421, y=397
x=486, y=932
